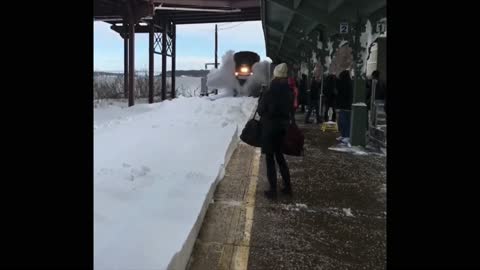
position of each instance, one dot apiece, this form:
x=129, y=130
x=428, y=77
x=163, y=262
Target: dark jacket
x=329, y=88
x=302, y=89
x=276, y=109
x=344, y=86
x=315, y=89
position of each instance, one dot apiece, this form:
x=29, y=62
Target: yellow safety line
x=240, y=256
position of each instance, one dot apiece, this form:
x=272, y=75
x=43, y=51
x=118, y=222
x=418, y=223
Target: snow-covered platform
x=156, y=166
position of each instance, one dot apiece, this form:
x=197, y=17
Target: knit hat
x=280, y=71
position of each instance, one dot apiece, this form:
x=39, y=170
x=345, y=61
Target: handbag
x=251, y=133
x=293, y=141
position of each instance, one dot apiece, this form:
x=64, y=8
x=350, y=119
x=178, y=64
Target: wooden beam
x=211, y=3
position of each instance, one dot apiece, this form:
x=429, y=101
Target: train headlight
x=236, y=73
x=244, y=69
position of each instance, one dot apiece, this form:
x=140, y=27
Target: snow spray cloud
x=223, y=78
x=259, y=77
x=225, y=81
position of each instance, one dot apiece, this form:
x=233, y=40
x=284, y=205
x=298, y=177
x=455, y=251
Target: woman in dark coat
x=276, y=110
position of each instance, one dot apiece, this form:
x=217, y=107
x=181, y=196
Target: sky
x=195, y=45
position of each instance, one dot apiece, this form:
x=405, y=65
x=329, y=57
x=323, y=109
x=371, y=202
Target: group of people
x=337, y=96
x=277, y=107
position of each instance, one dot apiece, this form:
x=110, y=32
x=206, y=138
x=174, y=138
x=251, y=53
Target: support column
x=216, y=51
x=358, y=126
x=131, y=62
x=125, y=59
x=150, y=62
x=174, y=40
x=164, y=59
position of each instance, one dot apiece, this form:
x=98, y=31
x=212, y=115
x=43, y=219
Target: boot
x=271, y=194
x=287, y=190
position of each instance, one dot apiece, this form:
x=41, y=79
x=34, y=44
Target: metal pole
x=216, y=46
x=356, y=60
x=359, y=108
x=320, y=107
x=174, y=51
x=131, y=62
x=125, y=59
x=164, y=59
x=150, y=62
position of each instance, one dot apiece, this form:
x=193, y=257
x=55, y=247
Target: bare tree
x=188, y=92
x=112, y=86
x=107, y=87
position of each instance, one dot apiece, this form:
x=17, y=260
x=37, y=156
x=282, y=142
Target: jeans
x=344, y=123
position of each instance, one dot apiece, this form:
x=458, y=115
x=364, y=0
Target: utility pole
x=216, y=46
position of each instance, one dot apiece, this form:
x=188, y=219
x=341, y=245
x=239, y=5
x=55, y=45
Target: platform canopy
x=178, y=11
x=287, y=22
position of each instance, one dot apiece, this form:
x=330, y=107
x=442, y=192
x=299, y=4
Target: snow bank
x=348, y=212
x=356, y=150
x=155, y=166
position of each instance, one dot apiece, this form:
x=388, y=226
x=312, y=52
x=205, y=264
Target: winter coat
x=344, y=86
x=275, y=109
x=302, y=96
x=315, y=89
x=329, y=88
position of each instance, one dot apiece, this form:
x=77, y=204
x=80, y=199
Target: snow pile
x=301, y=205
x=297, y=207
x=154, y=165
x=356, y=150
x=111, y=112
x=348, y=212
